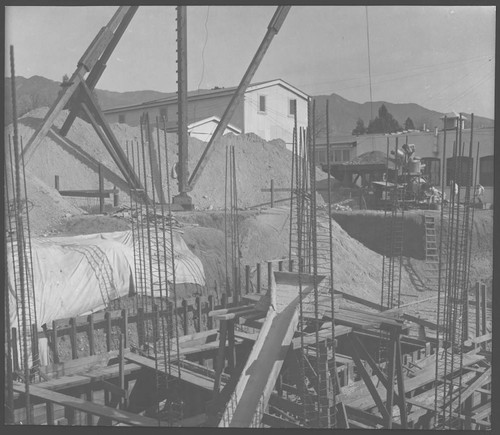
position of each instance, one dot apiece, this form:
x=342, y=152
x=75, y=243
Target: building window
x=121, y=119
x=338, y=155
x=432, y=170
x=262, y=103
x=486, y=170
x=459, y=169
x=346, y=155
x=292, y=106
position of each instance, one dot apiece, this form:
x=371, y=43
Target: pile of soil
x=75, y=162
x=46, y=208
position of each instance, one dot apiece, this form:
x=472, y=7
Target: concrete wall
x=276, y=122
x=428, y=144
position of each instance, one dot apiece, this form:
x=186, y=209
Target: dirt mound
x=75, y=161
x=46, y=207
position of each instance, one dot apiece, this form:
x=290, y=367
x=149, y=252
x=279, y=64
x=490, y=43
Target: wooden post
x=269, y=274
x=55, y=350
x=258, y=277
x=34, y=346
x=483, y=309
x=125, y=327
x=466, y=317
x=49, y=410
x=478, y=310
x=121, y=362
x=290, y=265
x=231, y=355
x=247, y=279
x=185, y=328
x=89, y=396
x=101, y=189
x=198, y=314
x=390, y=378
x=72, y=336
x=236, y=296
x=69, y=414
x=223, y=300
x=90, y=334
x=155, y=323
x=219, y=363
x=56, y=182
x=401, y=386
x=15, y=355
x=272, y=193
x=210, y=323
x=107, y=317
x=115, y=196
x=280, y=265
x=140, y=327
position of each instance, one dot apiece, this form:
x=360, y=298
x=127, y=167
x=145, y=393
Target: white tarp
x=74, y=275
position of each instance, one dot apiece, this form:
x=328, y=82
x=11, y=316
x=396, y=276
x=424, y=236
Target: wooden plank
x=479, y=382
x=365, y=418
x=370, y=386
x=75, y=403
x=87, y=193
x=186, y=375
x=273, y=421
x=115, y=389
x=361, y=301
x=478, y=340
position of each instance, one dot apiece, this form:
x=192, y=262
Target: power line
x=369, y=63
x=203, y=50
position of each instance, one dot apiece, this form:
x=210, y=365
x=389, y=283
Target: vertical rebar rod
x=294, y=151
x=164, y=247
x=9, y=415
x=173, y=263
x=156, y=240
x=332, y=291
x=28, y=252
x=20, y=242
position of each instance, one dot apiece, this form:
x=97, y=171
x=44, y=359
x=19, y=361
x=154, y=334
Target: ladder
x=431, y=252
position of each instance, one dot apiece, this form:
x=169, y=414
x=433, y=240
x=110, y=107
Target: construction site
x=167, y=281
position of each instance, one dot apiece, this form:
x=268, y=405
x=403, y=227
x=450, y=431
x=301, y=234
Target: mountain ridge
x=38, y=91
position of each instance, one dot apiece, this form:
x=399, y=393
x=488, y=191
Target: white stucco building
x=267, y=110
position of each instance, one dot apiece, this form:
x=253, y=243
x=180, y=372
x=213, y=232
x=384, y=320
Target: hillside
x=38, y=92
x=345, y=113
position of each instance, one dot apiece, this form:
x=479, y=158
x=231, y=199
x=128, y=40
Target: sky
x=440, y=57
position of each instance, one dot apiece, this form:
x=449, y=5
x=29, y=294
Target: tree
x=409, y=124
x=383, y=123
x=360, y=128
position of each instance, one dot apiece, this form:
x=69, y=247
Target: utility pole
x=182, y=198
